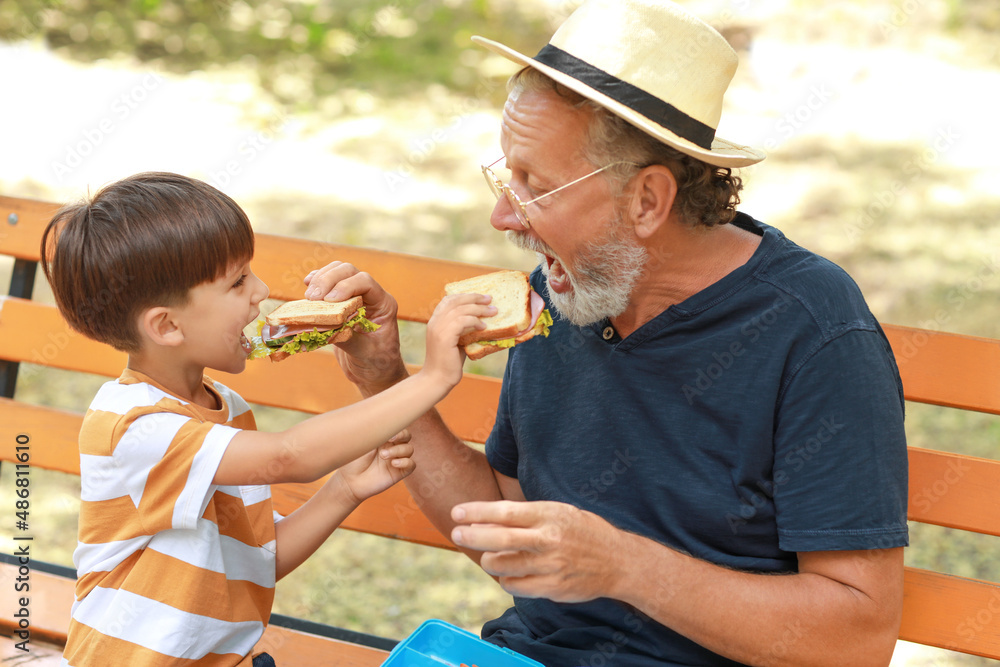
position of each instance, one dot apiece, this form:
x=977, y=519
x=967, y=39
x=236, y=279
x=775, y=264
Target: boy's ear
x=160, y=326
x=653, y=199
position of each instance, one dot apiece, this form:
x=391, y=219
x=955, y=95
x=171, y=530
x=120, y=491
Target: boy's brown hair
x=140, y=242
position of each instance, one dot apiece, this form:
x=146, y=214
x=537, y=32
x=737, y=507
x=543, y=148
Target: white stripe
x=120, y=398
x=99, y=478
x=237, y=404
x=206, y=549
x=197, y=491
x=143, y=446
x=203, y=548
x=162, y=628
x=255, y=494
x=106, y=556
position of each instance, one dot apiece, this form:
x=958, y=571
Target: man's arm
x=839, y=608
x=449, y=472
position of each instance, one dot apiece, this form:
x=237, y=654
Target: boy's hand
x=376, y=471
x=453, y=316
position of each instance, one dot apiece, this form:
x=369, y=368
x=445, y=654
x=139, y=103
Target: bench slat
x=947, y=369
x=951, y=612
x=291, y=647
x=416, y=282
x=22, y=239
x=41, y=654
x=37, y=333
x=948, y=490
x=50, y=601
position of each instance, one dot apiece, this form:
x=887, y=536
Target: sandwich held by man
x=638, y=516
x=304, y=325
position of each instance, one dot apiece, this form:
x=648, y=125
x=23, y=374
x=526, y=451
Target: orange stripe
x=95, y=433
x=262, y=514
x=86, y=646
x=109, y=521
x=118, y=519
x=184, y=586
x=253, y=525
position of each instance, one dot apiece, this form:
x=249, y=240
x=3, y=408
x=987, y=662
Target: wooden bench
x=942, y=369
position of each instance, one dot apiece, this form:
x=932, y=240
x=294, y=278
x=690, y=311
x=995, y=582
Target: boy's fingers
x=405, y=466
x=401, y=451
x=471, y=323
x=467, y=298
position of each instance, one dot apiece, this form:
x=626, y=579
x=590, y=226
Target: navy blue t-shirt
x=761, y=417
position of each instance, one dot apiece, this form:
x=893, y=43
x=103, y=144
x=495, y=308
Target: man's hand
x=542, y=549
x=372, y=361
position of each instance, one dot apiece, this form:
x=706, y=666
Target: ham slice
x=537, y=304
x=271, y=332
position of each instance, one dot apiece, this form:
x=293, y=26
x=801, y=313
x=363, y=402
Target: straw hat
x=651, y=63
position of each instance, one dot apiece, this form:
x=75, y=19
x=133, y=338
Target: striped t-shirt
x=172, y=569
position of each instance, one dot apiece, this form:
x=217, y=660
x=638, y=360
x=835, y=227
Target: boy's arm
x=321, y=444
x=302, y=532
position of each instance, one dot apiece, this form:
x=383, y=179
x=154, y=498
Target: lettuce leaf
x=544, y=322
x=306, y=341
x=541, y=328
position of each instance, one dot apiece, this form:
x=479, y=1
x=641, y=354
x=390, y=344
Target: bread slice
x=305, y=312
x=511, y=295
x=479, y=350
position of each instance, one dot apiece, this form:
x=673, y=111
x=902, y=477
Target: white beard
x=606, y=272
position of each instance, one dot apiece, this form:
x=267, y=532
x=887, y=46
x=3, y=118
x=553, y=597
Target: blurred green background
x=365, y=121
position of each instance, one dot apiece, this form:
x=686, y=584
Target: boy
x=179, y=549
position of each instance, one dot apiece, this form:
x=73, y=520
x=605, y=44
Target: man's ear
x=655, y=189
x=160, y=326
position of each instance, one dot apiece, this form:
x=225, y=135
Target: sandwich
x=306, y=325
x=521, y=312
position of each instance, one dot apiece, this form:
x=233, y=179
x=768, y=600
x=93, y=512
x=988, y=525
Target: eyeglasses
x=499, y=188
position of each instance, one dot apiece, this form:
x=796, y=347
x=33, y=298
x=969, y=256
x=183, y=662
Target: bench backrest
x=937, y=368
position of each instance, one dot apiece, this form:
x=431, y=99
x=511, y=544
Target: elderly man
x=704, y=463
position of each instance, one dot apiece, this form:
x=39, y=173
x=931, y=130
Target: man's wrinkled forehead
x=543, y=117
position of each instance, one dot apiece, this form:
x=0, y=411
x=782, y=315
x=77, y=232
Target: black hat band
x=637, y=99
